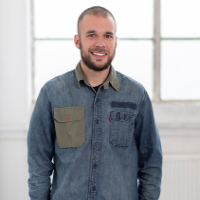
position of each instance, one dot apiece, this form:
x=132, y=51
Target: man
x=93, y=127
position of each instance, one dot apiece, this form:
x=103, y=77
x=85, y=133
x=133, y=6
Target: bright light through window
x=58, y=19
x=176, y=78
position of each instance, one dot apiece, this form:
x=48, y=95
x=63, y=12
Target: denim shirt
x=100, y=145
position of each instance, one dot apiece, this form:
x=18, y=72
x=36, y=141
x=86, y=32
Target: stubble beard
x=91, y=65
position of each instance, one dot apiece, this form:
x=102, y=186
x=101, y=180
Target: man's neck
x=94, y=78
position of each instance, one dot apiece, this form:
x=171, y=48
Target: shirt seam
x=141, y=104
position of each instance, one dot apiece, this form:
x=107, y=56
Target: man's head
x=96, y=38
x=96, y=11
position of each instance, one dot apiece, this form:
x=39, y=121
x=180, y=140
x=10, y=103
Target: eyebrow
x=110, y=33
x=90, y=31
x=93, y=31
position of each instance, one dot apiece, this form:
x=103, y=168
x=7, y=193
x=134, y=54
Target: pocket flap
x=67, y=114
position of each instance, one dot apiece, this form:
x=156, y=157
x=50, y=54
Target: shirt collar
x=112, y=78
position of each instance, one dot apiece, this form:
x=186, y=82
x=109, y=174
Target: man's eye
x=91, y=35
x=109, y=36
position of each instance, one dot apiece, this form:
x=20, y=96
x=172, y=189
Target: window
x=180, y=47
x=158, y=43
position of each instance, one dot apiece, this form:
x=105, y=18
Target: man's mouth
x=100, y=54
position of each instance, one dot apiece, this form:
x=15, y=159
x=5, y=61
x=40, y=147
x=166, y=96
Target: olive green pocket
x=69, y=125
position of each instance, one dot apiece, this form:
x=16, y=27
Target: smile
x=99, y=54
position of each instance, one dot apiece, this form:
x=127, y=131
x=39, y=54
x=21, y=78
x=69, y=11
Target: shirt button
x=97, y=100
x=94, y=188
x=97, y=121
x=96, y=144
x=94, y=166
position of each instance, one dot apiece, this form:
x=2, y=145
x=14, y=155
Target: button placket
x=96, y=139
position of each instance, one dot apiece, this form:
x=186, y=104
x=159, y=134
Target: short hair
x=96, y=11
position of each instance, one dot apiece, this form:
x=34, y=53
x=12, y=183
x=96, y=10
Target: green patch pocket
x=69, y=125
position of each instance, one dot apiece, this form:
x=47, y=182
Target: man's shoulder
x=60, y=80
x=126, y=81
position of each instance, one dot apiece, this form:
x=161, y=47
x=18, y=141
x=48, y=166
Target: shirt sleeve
x=149, y=152
x=41, y=148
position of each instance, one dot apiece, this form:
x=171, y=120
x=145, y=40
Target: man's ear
x=77, y=41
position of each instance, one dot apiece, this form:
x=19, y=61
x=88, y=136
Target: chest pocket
x=69, y=125
x=121, y=128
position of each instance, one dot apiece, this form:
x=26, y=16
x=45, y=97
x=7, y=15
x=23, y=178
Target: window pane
x=58, y=18
x=53, y=58
x=135, y=59
x=180, y=18
x=180, y=69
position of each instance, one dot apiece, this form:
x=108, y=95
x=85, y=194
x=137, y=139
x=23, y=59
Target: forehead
x=97, y=23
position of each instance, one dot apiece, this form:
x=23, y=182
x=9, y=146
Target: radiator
x=181, y=177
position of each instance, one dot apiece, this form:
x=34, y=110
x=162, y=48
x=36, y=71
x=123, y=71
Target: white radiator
x=181, y=177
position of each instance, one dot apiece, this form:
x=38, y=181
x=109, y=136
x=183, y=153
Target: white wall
x=15, y=98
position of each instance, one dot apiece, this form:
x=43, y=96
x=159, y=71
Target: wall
x=179, y=127
x=15, y=98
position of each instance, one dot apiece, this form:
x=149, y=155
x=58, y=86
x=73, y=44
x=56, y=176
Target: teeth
x=99, y=54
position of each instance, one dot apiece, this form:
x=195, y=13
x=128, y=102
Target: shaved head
x=96, y=11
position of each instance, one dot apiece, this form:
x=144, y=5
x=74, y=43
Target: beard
x=90, y=64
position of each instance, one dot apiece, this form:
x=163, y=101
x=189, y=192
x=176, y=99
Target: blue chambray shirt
x=119, y=157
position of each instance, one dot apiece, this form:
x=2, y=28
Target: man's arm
x=40, y=148
x=149, y=152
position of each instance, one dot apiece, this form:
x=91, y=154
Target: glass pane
x=53, y=58
x=180, y=18
x=180, y=69
x=58, y=18
x=135, y=59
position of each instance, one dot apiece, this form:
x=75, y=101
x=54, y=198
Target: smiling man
x=93, y=128
x=97, y=41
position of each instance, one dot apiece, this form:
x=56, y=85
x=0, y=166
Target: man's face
x=97, y=41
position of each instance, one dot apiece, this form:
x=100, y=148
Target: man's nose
x=100, y=42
